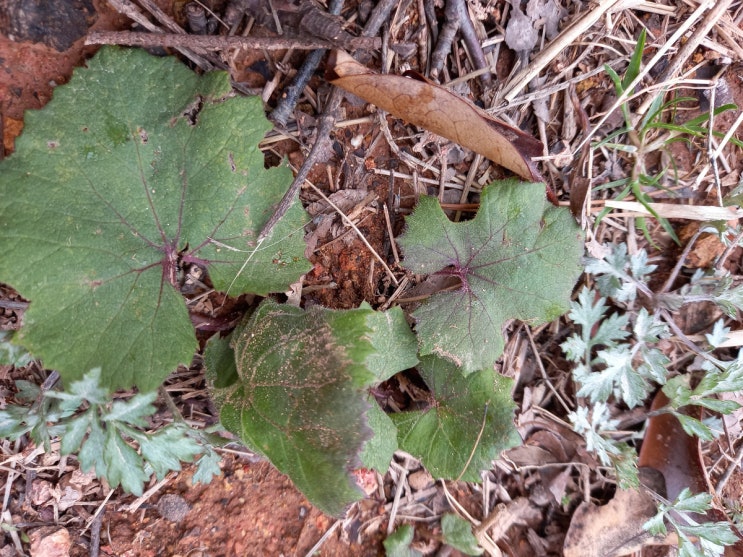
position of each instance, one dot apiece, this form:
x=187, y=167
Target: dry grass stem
x=548, y=54
x=673, y=211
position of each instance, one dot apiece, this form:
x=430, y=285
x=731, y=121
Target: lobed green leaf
x=517, y=259
x=100, y=207
x=468, y=422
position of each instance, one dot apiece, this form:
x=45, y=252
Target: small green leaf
x=398, y=543
x=396, y=347
x=100, y=206
x=618, y=377
x=718, y=533
x=517, y=259
x=75, y=432
x=656, y=525
x=686, y=501
x=694, y=427
x=87, y=389
x=123, y=465
x=207, y=467
x=300, y=396
x=132, y=411
x=457, y=533
x=678, y=391
x=92, y=450
x=378, y=451
x=16, y=421
x=11, y=354
x=721, y=406
x=469, y=421
x=633, y=69
x=167, y=448
x=718, y=335
x=27, y=391
x=219, y=363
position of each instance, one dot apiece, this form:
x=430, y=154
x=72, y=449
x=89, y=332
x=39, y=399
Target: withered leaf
x=440, y=111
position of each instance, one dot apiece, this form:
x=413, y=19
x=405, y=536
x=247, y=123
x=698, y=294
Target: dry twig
x=208, y=42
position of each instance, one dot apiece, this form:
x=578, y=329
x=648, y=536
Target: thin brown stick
x=378, y=16
x=290, y=96
x=207, y=42
x=132, y=12
x=323, y=135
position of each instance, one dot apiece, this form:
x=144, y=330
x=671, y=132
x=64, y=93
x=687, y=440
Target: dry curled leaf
x=442, y=112
x=610, y=530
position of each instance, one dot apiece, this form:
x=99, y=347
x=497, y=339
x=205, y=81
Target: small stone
x=420, y=480
x=173, y=507
x=50, y=541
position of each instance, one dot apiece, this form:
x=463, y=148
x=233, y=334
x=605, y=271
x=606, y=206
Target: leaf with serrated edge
x=75, y=432
x=207, y=467
x=469, y=421
x=132, y=411
x=100, y=205
x=300, y=396
x=124, y=466
x=92, y=450
x=167, y=448
x=517, y=259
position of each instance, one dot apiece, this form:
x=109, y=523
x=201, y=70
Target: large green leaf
x=300, y=397
x=137, y=166
x=468, y=422
x=517, y=259
x=293, y=385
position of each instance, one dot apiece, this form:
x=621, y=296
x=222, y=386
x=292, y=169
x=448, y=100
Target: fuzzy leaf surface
x=137, y=166
x=300, y=396
x=380, y=448
x=469, y=421
x=396, y=347
x=517, y=259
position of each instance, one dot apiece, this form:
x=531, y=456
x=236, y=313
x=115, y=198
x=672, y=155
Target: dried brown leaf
x=610, y=530
x=668, y=449
x=442, y=112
